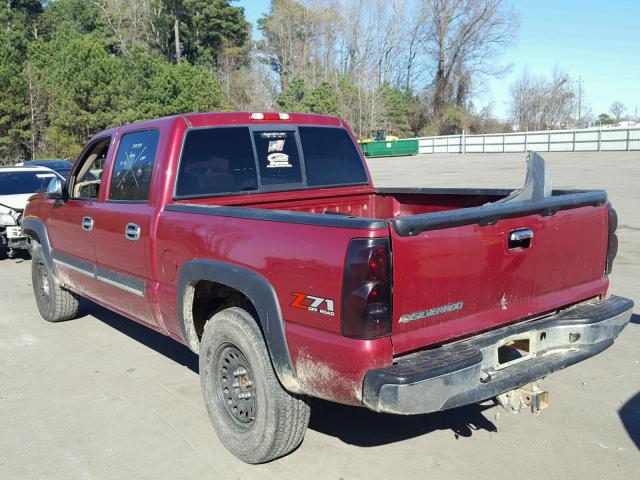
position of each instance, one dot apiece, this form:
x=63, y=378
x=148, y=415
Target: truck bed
x=454, y=271
x=358, y=202
x=396, y=204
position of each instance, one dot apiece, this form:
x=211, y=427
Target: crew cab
x=259, y=241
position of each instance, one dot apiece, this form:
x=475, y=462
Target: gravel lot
x=101, y=397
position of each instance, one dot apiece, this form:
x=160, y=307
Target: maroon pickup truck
x=259, y=241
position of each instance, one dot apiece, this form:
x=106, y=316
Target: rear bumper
x=468, y=371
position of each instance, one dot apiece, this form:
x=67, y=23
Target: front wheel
x=54, y=302
x=253, y=415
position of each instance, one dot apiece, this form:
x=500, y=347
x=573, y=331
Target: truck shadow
x=353, y=425
x=364, y=428
x=630, y=417
x=635, y=318
x=162, y=344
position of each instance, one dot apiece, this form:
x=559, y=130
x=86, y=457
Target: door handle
x=87, y=224
x=520, y=238
x=132, y=231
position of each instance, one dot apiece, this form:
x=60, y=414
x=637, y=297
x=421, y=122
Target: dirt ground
x=103, y=398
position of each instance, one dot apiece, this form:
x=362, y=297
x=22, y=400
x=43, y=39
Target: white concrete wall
x=586, y=140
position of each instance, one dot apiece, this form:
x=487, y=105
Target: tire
x=234, y=361
x=54, y=302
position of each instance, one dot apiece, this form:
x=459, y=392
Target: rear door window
x=278, y=158
x=217, y=161
x=133, y=167
x=330, y=157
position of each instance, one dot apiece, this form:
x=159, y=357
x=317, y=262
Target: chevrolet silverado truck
x=259, y=241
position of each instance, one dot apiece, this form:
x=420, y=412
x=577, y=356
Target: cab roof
x=215, y=119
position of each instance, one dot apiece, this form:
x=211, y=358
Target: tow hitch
x=531, y=395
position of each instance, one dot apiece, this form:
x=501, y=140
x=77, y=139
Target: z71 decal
x=313, y=304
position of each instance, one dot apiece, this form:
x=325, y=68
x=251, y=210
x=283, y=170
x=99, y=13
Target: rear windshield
x=16, y=183
x=278, y=157
x=330, y=157
x=217, y=161
x=232, y=160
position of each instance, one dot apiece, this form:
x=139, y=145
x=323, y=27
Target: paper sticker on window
x=273, y=134
x=276, y=145
x=278, y=160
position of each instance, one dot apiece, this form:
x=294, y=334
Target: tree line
x=70, y=68
x=411, y=67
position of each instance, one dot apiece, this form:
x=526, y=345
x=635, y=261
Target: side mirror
x=55, y=189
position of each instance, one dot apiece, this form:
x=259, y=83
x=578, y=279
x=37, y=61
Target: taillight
x=612, y=249
x=366, y=289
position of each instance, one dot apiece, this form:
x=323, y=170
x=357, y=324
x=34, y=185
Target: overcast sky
x=596, y=39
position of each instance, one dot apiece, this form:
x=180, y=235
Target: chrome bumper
x=469, y=371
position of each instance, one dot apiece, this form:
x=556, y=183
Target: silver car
x=17, y=184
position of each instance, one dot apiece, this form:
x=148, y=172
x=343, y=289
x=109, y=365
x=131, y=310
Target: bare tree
x=414, y=46
x=617, y=109
x=293, y=33
x=538, y=103
x=236, y=75
x=131, y=21
x=486, y=122
x=313, y=39
x=442, y=46
x=464, y=40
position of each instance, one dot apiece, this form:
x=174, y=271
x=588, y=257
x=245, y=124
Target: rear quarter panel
x=294, y=258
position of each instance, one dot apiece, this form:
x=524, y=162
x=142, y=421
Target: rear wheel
x=55, y=303
x=253, y=415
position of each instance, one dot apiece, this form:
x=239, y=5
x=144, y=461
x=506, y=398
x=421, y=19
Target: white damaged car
x=17, y=184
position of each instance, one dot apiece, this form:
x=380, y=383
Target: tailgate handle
x=520, y=238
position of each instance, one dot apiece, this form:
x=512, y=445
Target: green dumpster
x=390, y=148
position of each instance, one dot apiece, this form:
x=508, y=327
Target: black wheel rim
x=236, y=390
x=44, y=288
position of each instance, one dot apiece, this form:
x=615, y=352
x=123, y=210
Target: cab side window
x=85, y=181
x=133, y=166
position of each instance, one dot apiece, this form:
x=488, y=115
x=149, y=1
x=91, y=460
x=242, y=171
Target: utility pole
x=579, y=99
